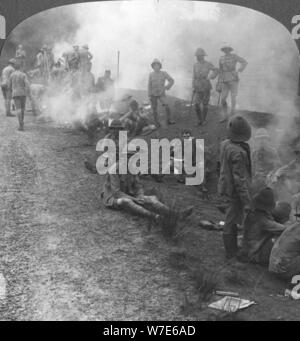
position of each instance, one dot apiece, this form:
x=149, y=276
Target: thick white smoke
x=172, y=29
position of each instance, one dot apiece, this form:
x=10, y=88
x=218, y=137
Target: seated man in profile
x=126, y=192
x=262, y=225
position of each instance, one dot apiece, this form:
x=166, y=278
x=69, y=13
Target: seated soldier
x=125, y=192
x=134, y=123
x=260, y=227
x=285, y=255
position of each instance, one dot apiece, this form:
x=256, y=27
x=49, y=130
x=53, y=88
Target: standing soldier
x=201, y=84
x=19, y=86
x=85, y=58
x=157, y=90
x=21, y=56
x=6, y=73
x=229, y=78
x=235, y=179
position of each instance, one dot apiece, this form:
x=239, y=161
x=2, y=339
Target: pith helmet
x=226, y=47
x=116, y=124
x=85, y=46
x=239, y=130
x=156, y=61
x=12, y=61
x=200, y=52
x=262, y=133
x=264, y=200
x=282, y=211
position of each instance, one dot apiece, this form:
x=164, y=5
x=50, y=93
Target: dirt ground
x=65, y=257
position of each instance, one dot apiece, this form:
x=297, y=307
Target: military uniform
x=285, y=255
x=85, y=58
x=229, y=78
x=202, y=86
x=260, y=228
x=20, y=88
x=21, y=57
x=157, y=91
x=6, y=73
x=235, y=179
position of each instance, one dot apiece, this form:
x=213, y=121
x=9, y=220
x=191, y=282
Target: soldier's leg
x=233, y=92
x=5, y=96
x=163, y=100
x=8, y=103
x=130, y=206
x=17, y=103
x=233, y=217
x=224, y=106
x=206, y=99
x=153, y=204
x=198, y=101
x=154, y=105
x=23, y=107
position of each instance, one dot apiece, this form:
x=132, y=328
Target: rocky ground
x=63, y=256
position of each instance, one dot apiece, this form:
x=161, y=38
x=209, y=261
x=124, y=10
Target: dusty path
x=62, y=255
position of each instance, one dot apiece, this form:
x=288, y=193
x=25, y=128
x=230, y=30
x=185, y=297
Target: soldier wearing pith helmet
x=203, y=72
x=235, y=179
x=159, y=82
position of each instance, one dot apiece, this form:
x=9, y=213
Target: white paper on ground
x=231, y=304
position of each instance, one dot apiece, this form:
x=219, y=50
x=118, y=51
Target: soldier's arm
x=272, y=226
x=170, y=81
x=239, y=173
x=243, y=63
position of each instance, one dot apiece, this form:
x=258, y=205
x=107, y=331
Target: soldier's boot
x=205, y=112
x=169, y=116
x=199, y=114
x=231, y=244
x=224, y=111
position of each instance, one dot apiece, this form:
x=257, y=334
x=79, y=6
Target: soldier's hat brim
x=227, y=48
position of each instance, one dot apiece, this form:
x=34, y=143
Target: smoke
x=171, y=30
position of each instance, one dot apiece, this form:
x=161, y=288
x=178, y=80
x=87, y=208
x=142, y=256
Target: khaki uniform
x=128, y=187
x=6, y=73
x=157, y=92
x=21, y=58
x=201, y=84
x=259, y=229
x=20, y=88
x=285, y=255
x=235, y=182
x=229, y=77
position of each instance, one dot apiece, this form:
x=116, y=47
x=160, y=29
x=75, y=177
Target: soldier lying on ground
x=126, y=192
x=262, y=225
x=285, y=255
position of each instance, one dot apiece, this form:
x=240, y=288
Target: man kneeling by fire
x=126, y=192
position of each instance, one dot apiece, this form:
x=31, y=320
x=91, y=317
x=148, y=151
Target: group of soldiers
x=203, y=72
x=251, y=201
x=250, y=176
